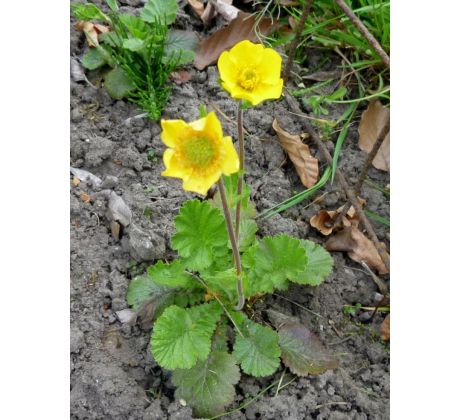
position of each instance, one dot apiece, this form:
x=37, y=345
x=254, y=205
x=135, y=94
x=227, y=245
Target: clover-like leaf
x=302, y=351
x=273, y=261
x=172, y=275
x=181, y=337
x=180, y=45
x=93, y=59
x=200, y=234
x=319, y=264
x=118, y=83
x=258, y=350
x=209, y=386
x=163, y=11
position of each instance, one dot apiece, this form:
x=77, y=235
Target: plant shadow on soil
x=113, y=375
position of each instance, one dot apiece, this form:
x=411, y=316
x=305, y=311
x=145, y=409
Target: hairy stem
x=296, y=40
x=240, y=176
x=365, y=32
x=235, y=250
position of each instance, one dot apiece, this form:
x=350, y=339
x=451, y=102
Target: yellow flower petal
x=200, y=154
x=251, y=72
x=230, y=163
x=227, y=67
x=173, y=131
x=201, y=185
x=268, y=91
x=270, y=66
x=246, y=52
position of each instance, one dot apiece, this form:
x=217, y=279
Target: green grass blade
x=267, y=214
x=377, y=217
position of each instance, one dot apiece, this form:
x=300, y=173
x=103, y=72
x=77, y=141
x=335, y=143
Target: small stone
x=145, y=246
x=77, y=340
x=76, y=115
x=109, y=182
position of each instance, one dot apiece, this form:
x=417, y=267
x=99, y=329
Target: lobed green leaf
x=163, y=11
x=143, y=288
x=209, y=386
x=273, y=261
x=181, y=337
x=88, y=11
x=180, y=46
x=201, y=233
x=258, y=351
x=319, y=264
x=93, y=59
x=172, y=275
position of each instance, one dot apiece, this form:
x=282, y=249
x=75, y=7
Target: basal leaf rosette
x=251, y=72
x=198, y=153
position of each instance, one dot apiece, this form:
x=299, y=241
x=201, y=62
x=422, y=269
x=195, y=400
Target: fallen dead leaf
x=324, y=221
x=197, y=6
x=237, y=30
x=75, y=181
x=372, y=122
x=385, y=329
x=115, y=228
x=92, y=31
x=358, y=247
x=86, y=198
x=299, y=153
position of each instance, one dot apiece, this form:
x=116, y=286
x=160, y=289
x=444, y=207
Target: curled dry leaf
x=325, y=220
x=372, y=122
x=385, y=329
x=92, y=31
x=197, y=6
x=299, y=153
x=75, y=181
x=358, y=247
x=237, y=30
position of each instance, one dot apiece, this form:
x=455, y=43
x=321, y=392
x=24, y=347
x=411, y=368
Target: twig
x=296, y=40
x=364, y=31
x=293, y=104
x=370, y=158
x=299, y=305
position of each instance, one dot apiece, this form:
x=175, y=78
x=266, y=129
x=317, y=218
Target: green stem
x=239, y=190
x=233, y=241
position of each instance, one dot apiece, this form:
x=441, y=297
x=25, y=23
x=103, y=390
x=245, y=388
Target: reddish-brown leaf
x=372, y=122
x=237, y=30
x=385, y=329
x=358, y=247
x=85, y=198
x=299, y=153
x=180, y=76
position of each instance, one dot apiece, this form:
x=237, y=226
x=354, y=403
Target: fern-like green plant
x=138, y=53
x=192, y=338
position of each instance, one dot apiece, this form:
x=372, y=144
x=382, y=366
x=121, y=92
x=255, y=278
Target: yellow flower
x=198, y=153
x=251, y=72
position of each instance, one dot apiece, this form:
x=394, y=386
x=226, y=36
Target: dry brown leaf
x=115, y=228
x=385, y=329
x=197, y=6
x=75, y=181
x=86, y=198
x=92, y=31
x=305, y=164
x=237, y=30
x=358, y=247
x=287, y=3
x=372, y=122
x=324, y=221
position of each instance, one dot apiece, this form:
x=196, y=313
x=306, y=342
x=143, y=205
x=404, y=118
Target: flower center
x=248, y=79
x=198, y=151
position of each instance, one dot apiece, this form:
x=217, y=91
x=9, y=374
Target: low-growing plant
x=202, y=332
x=139, y=52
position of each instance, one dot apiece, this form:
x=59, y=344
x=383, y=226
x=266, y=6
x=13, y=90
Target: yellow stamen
x=248, y=79
x=198, y=151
